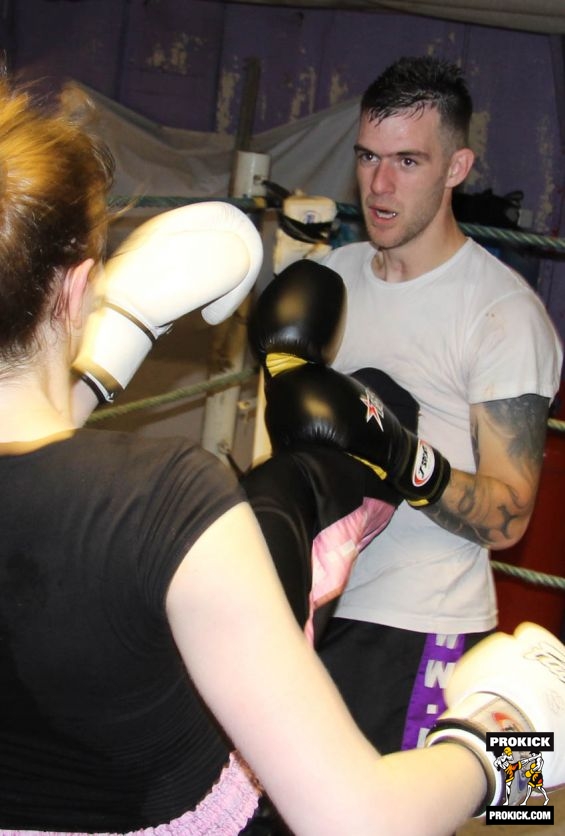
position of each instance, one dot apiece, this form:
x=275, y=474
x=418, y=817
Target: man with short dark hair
x=472, y=342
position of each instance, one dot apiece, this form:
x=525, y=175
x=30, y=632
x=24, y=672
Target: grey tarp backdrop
x=313, y=154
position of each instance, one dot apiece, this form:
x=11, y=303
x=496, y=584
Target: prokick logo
x=520, y=757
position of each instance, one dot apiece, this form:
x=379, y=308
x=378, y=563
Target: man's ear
x=75, y=287
x=459, y=167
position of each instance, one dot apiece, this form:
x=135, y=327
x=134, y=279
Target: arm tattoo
x=484, y=512
x=523, y=421
x=482, y=533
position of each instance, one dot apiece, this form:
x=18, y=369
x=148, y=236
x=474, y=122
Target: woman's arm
x=269, y=691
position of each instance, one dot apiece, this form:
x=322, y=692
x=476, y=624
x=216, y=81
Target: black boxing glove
x=316, y=404
x=298, y=317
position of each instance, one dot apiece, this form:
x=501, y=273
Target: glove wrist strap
x=425, y=476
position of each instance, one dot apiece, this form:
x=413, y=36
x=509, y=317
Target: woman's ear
x=75, y=288
x=461, y=163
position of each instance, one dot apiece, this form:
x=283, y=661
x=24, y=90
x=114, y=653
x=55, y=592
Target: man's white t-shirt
x=469, y=331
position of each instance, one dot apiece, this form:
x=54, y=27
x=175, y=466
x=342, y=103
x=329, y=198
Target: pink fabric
x=223, y=812
x=335, y=550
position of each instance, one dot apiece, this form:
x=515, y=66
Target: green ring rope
x=206, y=386
x=529, y=575
x=232, y=379
x=345, y=210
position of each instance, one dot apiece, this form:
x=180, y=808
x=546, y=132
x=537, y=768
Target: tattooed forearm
x=493, y=507
x=482, y=531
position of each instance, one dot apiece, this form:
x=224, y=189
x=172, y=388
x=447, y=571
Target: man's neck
x=416, y=258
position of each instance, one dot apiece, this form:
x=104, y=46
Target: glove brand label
x=424, y=464
x=550, y=657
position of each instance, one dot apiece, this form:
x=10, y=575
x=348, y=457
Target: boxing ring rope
x=204, y=387
x=235, y=379
x=530, y=575
x=347, y=211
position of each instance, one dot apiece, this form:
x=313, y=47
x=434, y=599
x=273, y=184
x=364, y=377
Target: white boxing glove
x=207, y=253
x=507, y=685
